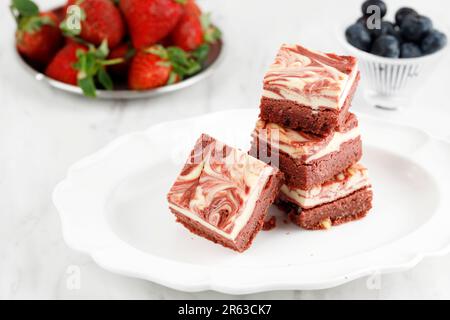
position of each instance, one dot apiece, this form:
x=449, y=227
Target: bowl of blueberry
x=396, y=56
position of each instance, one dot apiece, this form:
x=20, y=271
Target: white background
x=43, y=131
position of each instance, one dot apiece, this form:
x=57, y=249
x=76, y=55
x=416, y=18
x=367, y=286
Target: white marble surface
x=43, y=131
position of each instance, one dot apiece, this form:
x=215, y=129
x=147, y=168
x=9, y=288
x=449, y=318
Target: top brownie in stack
x=308, y=90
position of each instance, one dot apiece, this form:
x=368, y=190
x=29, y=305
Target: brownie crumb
x=270, y=224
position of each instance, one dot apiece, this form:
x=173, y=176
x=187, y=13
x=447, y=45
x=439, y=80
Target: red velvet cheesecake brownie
x=346, y=197
x=305, y=159
x=309, y=90
x=223, y=194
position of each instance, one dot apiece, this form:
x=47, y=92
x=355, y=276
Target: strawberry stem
x=211, y=33
x=111, y=62
x=91, y=69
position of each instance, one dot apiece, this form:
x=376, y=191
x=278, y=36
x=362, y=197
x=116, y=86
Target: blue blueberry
x=386, y=27
x=414, y=27
x=433, y=41
x=402, y=13
x=358, y=36
x=386, y=46
x=410, y=50
x=396, y=33
x=378, y=3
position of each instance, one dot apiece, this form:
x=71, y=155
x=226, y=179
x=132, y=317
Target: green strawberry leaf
x=201, y=53
x=104, y=79
x=210, y=33
x=34, y=23
x=205, y=20
x=88, y=86
x=184, y=71
x=80, y=65
x=195, y=68
x=172, y=78
x=164, y=63
x=158, y=50
x=177, y=55
x=27, y=16
x=91, y=65
x=181, y=1
x=24, y=8
x=182, y=63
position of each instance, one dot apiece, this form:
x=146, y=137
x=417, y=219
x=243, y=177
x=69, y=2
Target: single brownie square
x=346, y=197
x=305, y=159
x=223, y=194
x=309, y=90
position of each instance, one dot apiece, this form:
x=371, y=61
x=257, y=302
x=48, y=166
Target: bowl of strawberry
x=122, y=49
x=397, y=55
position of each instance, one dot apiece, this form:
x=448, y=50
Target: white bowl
x=391, y=83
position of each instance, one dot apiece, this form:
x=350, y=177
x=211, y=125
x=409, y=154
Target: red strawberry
x=125, y=52
x=62, y=66
x=37, y=36
x=100, y=20
x=157, y=66
x=194, y=28
x=192, y=8
x=149, y=21
x=148, y=71
x=188, y=34
x=84, y=66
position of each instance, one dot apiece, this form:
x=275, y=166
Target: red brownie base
x=245, y=237
x=289, y=114
x=352, y=207
x=307, y=175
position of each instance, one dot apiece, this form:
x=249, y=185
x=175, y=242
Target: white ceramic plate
x=113, y=207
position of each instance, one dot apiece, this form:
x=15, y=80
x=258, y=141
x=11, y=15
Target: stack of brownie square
x=305, y=124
